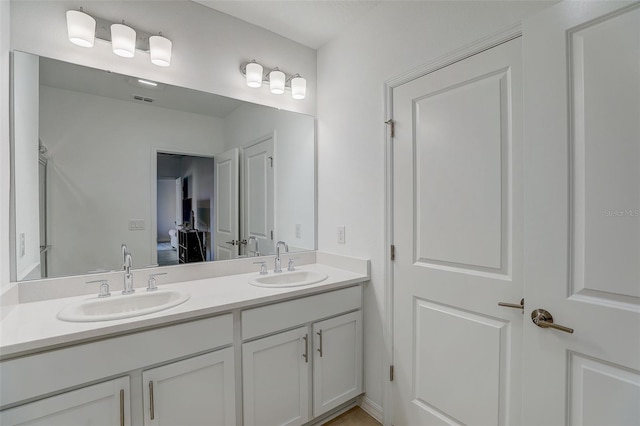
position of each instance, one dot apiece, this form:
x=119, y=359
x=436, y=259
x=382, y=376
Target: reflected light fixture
x=253, y=72
x=160, y=50
x=123, y=40
x=81, y=28
x=276, y=81
x=279, y=81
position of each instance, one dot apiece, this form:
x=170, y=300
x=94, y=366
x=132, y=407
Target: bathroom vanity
x=233, y=354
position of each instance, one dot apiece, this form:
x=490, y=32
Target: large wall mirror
x=177, y=175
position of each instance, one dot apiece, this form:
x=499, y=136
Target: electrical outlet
x=341, y=234
x=298, y=230
x=136, y=225
x=23, y=249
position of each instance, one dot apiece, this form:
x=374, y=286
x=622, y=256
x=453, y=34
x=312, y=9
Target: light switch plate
x=341, y=234
x=298, y=230
x=136, y=225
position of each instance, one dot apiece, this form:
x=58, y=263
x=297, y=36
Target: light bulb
x=254, y=74
x=160, y=50
x=123, y=40
x=276, y=81
x=81, y=28
x=298, y=87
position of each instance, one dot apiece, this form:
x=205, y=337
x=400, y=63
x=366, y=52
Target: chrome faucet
x=128, y=276
x=124, y=250
x=286, y=248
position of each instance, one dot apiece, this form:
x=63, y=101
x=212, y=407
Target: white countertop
x=34, y=326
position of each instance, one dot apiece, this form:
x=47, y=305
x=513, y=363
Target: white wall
x=391, y=39
x=25, y=157
x=208, y=46
x=166, y=197
x=294, y=161
x=102, y=172
x=5, y=35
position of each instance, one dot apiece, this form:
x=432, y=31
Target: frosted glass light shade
x=276, y=82
x=81, y=28
x=160, y=51
x=298, y=87
x=254, y=74
x=123, y=40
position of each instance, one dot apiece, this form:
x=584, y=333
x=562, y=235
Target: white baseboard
x=373, y=409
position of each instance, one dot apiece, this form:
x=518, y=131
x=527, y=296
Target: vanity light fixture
x=83, y=29
x=276, y=81
x=279, y=81
x=160, y=50
x=253, y=73
x=298, y=87
x=123, y=40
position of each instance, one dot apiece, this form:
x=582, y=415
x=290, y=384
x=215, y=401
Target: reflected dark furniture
x=191, y=246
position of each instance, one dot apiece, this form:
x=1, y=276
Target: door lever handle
x=543, y=319
x=513, y=305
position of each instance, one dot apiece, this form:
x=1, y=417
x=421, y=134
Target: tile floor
x=354, y=417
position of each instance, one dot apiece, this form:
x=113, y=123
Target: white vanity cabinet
x=191, y=387
x=195, y=391
x=106, y=403
x=275, y=376
x=322, y=358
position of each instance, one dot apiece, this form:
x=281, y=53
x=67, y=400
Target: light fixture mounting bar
x=266, y=71
x=103, y=32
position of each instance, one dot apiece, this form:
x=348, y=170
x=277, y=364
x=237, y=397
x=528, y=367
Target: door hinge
x=271, y=161
x=391, y=123
x=393, y=252
x=271, y=235
x=391, y=373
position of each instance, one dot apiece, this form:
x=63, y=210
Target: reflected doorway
x=185, y=191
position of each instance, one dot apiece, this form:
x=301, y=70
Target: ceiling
x=309, y=22
x=63, y=75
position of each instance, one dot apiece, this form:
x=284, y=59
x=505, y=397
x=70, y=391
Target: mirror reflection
x=179, y=176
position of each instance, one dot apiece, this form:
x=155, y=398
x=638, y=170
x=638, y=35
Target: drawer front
x=40, y=374
x=280, y=316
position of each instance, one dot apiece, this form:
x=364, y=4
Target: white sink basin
x=122, y=306
x=288, y=279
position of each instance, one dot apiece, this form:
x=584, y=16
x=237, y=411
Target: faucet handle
x=263, y=267
x=104, y=287
x=151, y=282
x=291, y=267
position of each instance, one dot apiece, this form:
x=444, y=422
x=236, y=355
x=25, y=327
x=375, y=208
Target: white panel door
x=337, y=361
x=258, y=196
x=275, y=375
x=458, y=237
x=582, y=222
x=226, y=205
x=196, y=391
x=104, y=404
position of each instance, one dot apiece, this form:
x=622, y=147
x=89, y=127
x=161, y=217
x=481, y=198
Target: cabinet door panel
x=337, y=363
x=96, y=405
x=196, y=391
x=276, y=379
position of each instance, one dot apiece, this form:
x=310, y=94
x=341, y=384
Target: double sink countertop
x=34, y=326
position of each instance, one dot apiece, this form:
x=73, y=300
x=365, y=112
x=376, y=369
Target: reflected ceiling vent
x=143, y=98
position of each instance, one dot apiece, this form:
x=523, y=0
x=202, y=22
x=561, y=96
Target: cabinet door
x=276, y=379
x=337, y=362
x=104, y=404
x=196, y=391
